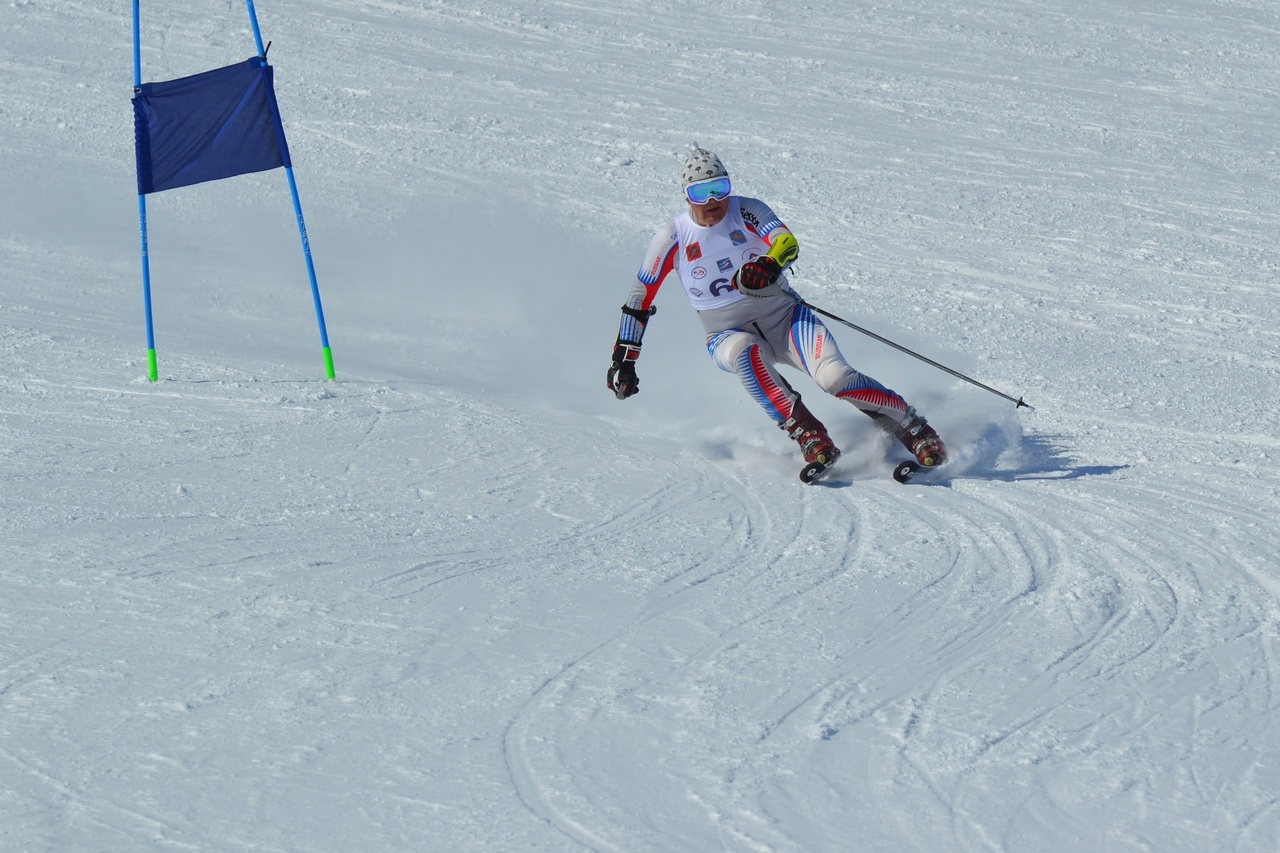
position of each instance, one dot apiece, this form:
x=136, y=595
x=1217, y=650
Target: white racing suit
x=748, y=335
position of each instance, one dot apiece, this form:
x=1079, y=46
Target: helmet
x=701, y=165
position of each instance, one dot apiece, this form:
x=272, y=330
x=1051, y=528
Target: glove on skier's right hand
x=759, y=278
x=621, y=378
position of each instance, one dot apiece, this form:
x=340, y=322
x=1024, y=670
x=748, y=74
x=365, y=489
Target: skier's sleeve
x=659, y=261
x=784, y=248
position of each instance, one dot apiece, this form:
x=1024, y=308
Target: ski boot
x=820, y=452
x=922, y=440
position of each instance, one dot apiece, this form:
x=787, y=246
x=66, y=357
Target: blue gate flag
x=208, y=126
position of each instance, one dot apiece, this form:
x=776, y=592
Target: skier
x=730, y=253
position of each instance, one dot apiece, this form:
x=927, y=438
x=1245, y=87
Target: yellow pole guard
x=785, y=248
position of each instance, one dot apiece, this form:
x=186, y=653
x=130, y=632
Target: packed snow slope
x=463, y=599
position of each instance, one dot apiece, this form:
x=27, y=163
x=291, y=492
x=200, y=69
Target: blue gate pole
x=302, y=226
x=152, y=371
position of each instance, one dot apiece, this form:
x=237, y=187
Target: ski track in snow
x=890, y=705
x=460, y=599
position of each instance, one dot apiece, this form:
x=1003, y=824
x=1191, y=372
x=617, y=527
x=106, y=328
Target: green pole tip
x=328, y=363
x=153, y=372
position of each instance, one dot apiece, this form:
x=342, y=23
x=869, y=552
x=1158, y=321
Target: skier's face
x=710, y=213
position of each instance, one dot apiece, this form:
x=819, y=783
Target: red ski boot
x=922, y=440
x=820, y=452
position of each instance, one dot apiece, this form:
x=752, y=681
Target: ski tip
x=905, y=471
x=811, y=472
x=819, y=466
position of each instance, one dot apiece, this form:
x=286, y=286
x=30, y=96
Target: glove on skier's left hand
x=759, y=277
x=622, y=378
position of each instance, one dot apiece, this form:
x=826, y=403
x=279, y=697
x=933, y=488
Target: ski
x=911, y=470
x=905, y=471
x=814, y=470
x=810, y=473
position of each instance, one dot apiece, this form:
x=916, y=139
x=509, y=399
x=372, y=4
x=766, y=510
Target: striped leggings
x=800, y=339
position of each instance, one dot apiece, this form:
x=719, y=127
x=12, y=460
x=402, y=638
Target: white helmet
x=701, y=165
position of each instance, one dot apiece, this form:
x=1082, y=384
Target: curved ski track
x=757, y=668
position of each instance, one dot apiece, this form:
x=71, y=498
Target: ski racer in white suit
x=730, y=253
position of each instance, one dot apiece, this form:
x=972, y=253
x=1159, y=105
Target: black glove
x=621, y=378
x=757, y=276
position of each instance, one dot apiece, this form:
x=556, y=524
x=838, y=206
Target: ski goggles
x=712, y=189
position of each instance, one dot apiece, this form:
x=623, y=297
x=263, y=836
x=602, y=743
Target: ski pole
x=1018, y=402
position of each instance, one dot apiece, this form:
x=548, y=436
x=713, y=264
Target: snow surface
x=463, y=599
